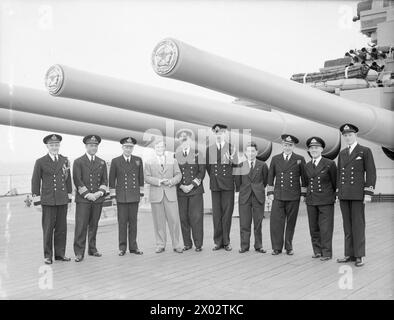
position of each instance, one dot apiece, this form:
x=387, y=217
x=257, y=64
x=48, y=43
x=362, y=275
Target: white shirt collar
x=187, y=149
x=287, y=155
x=251, y=161
x=53, y=156
x=317, y=160
x=127, y=158
x=218, y=144
x=352, y=146
x=161, y=158
x=90, y=157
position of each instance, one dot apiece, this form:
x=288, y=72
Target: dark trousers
x=253, y=209
x=222, y=212
x=321, y=227
x=354, y=227
x=191, y=214
x=87, y=216
x=283, y=213
x=127, y=223
x=54, y=227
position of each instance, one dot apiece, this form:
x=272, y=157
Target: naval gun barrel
x=64, y=81
x=175, y=59
x=39, y=102
x=28, y=120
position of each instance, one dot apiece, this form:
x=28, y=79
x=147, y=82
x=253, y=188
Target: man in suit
x=190, y=190
x=126, y=183
x=251, y=187
x=163, y=174
x=321, y=180
x=286, y=187
x=221, y=159
x=356, y=183
x=91, y=180
x=52, y=189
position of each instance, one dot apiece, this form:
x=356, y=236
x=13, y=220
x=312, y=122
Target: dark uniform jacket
x=125, y=179
x=220, y=167
x=356, y=173
x=51, y=182
x=193, y=171
x=89, y=178
x=252, y=180
x=287, y=176
x=321, y=182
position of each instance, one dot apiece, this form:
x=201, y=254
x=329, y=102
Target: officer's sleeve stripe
x=103, y=187
x=369, y=190
x=197, y=181
x=303, y=189
x=36, y=200
x=270, y=188
x=112, y=192
x=82, y=190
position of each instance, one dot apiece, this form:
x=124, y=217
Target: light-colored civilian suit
x=163, y=198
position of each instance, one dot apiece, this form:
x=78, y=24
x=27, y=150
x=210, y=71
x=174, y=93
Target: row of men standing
x=176, y=195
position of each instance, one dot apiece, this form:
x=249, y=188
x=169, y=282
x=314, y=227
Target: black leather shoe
x=48, y=261
x=185, y=248
x=359, y=262
x=346, y=259
x=228, y=247
x=198, y=249
x=316, y=255
x=215, y=248
x=289, y=252
x=122, y=253
x=137, y=251
x=243, y=250
x=95, y=254
x=64, y=258
x=78, y=258
x=325, y=258
x=261, y=250
x=276, y=252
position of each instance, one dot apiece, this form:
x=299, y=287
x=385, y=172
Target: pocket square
x=358, y=158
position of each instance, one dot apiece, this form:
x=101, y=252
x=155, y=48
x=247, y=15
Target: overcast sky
x=116, y=38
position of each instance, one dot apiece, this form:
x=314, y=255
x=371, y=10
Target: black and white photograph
x=194, y=155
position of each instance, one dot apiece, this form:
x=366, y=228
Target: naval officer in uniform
x=52, y=189
x=221, y=158
x=91, y=180
x=190, y=190
x=356, y=184
x=321, y=180
x=126, y=183
x=251, y=185
x=286, y=187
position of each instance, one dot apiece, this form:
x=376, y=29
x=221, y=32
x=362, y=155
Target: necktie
x=184, y=153
x=348, y=150
x=252, y=165
x=286, y=158
x=55, y=158
x=128, y=160
x=314, y=163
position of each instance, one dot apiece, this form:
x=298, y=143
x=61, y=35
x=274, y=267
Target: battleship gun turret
x=63, y=81
x=177, y=60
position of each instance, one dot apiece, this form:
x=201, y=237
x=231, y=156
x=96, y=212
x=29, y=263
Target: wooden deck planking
x=191, y=275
